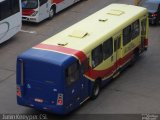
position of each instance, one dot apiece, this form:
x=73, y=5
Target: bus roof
x=93, y=30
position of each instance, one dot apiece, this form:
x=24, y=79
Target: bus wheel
x=135, y=57
x=95, y=90
x=136, y=54
x=51, y=13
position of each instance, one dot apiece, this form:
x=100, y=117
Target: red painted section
x=57, y=1
x=146, y=42
x=94, y=74
x=78, y=54
x=27, y=12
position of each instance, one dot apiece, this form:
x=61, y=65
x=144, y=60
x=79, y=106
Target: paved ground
x=134, y=91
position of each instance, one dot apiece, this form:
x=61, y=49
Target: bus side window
x=14, y=6
x=107, y=48
x=4, y=11
x=85, y=66
x=42, y=2
x=97, y=56
x=73, y=73
x=8, y=7
x=135, y=29
x=117, y=43
x=127, y=35
x=0, y=12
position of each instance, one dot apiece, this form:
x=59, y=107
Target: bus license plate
x=38, y=100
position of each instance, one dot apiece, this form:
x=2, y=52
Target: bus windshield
x=29, y=4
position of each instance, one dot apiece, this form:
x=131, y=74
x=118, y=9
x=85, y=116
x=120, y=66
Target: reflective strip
x=22, y=71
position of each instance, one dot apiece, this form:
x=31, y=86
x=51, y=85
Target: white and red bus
x=10, y=18
x=38, y=10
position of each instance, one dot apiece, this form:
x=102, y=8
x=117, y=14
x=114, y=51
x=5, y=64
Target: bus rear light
x=145, y=42
x=19, y=91
x=60, y=102
x=60, y=99
x=154, y=15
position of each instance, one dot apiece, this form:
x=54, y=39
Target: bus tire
x=136, y=55
x=52, y=13
x=95, y=89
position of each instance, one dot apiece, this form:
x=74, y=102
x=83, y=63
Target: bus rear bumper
x=42, y=106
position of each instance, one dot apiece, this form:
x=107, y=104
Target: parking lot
x=136, y=90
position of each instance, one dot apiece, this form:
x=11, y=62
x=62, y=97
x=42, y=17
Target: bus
x=62, y=72
x=38, y=10
x=10, y=18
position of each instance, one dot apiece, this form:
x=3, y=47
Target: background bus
x=10, y=18
x=61, y=73
x=38, y=10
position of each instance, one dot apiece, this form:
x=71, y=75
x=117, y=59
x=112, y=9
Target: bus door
x=117, y=53
x=76, y=85
x=43, y=9
x=143, y=31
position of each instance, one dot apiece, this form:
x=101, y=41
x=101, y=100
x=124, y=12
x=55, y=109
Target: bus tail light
x=60, y=99
x=19, y=94
x=154, y=15
x=145, y=42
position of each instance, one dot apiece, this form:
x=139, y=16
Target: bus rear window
x=72, y=73
x=29, y=4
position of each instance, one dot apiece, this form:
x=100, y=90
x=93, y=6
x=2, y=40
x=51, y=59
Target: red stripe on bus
x=57, y=1
x=81, y=56
x=94, y=74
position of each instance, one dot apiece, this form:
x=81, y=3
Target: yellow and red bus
x=62, y=72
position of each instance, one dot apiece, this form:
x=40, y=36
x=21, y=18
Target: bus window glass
x=0, y=11
x=127, y=35
x=72, y=73
x=135, y=29
x=29, y=4
x=107, y=48
x=15, y=6
x=117, y=43
x=8, y=8
x=5, y=9
x=97, y=56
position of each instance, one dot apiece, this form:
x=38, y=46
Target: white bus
x=10, y=18
x=38, y=10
